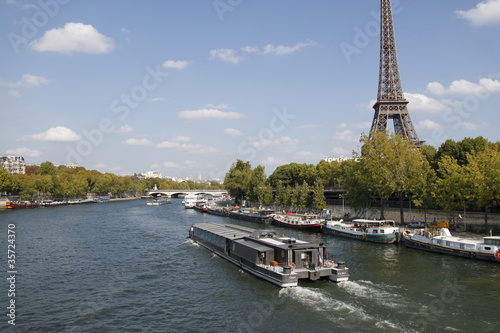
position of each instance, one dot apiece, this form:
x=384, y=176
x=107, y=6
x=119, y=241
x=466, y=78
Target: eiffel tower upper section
x=391, y=103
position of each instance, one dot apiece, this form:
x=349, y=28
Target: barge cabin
x=268, y=254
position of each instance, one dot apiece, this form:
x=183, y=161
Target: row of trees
x=244, y=183
x=50, y=182
x=459, y=175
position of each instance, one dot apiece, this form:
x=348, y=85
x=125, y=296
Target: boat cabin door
x=304, y=259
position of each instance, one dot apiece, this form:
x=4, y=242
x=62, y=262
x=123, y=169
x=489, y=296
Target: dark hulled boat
x=268, y=254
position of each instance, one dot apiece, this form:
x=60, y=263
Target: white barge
x=378, y=231
x=443, y=242
x=268, y=254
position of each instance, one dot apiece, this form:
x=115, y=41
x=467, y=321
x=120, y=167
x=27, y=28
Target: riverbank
x=124, y=199
x=459, y=221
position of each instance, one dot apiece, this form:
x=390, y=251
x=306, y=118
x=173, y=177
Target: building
x=150, y=174
x=13, y=164
x=338, y=159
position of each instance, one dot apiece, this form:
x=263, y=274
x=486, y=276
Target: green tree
x=255, y=183
x=393, y=167
x=318, y=200
x=483, y=174
x=452, y=185
x=6, y=181
x=293, y=174
x=328, y=172
x=25, y=186
x=237, y=179
x=47, y=168
x=266, y=195
x=303, y=194
x=357, y=190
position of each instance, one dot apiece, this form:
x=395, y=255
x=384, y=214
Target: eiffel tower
x=391, y=103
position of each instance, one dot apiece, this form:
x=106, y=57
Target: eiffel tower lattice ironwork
x=391, y=103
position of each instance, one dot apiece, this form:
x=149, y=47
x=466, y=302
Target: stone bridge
x=176, y=193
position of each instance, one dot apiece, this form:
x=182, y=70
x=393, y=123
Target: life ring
x=293, y=266
x=329, y=263
x=497, y=255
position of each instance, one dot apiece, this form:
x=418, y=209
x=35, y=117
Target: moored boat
x=487, y=248
x=82, y=201
x=378, y=231
x=298, y=221
x=158, y=201
x=191, y=200
x=268, y=254
x=248, y=215
x=50, y=203
x=21, y=205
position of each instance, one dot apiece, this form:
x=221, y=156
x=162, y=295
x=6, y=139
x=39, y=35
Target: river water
x=128, y=267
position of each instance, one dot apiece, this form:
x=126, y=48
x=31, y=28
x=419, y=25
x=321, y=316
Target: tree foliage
x=50, y=182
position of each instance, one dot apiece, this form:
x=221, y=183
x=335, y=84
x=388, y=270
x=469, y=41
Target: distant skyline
x=183, y=87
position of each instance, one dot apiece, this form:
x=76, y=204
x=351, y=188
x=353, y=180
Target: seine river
x=128, y=267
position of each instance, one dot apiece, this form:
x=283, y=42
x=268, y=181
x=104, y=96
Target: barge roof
x=225, y=230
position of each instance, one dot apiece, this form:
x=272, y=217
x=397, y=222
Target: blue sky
x=183, y=87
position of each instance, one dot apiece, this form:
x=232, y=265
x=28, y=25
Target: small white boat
x=191, y=200
x=158, y=202
x=487, y=248
x=378, y=231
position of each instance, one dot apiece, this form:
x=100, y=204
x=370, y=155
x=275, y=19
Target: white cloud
x=466, y=88
x=138, y=142
x=181, y=143
x=180, y=138
x=485, y=12
x=428, y=124
x=278, y=50
x=171, y=165
x=284, y=50
x=308, y=155
x=250, y=49
x=346, y=135
x=157, y=99
x=284, y=143
x=469, y=126
x=24, y=152
x=176, y=64
x=57, y=134
x=203, y=114
x=226, y=55
x=232, y=132
x=74, y=37
x=26, y=81
x=340, y=151
x=124, y=129
x=14, y=93
x=219, y=106
x=308, y=126
x=273, y=161
x=423, y=103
